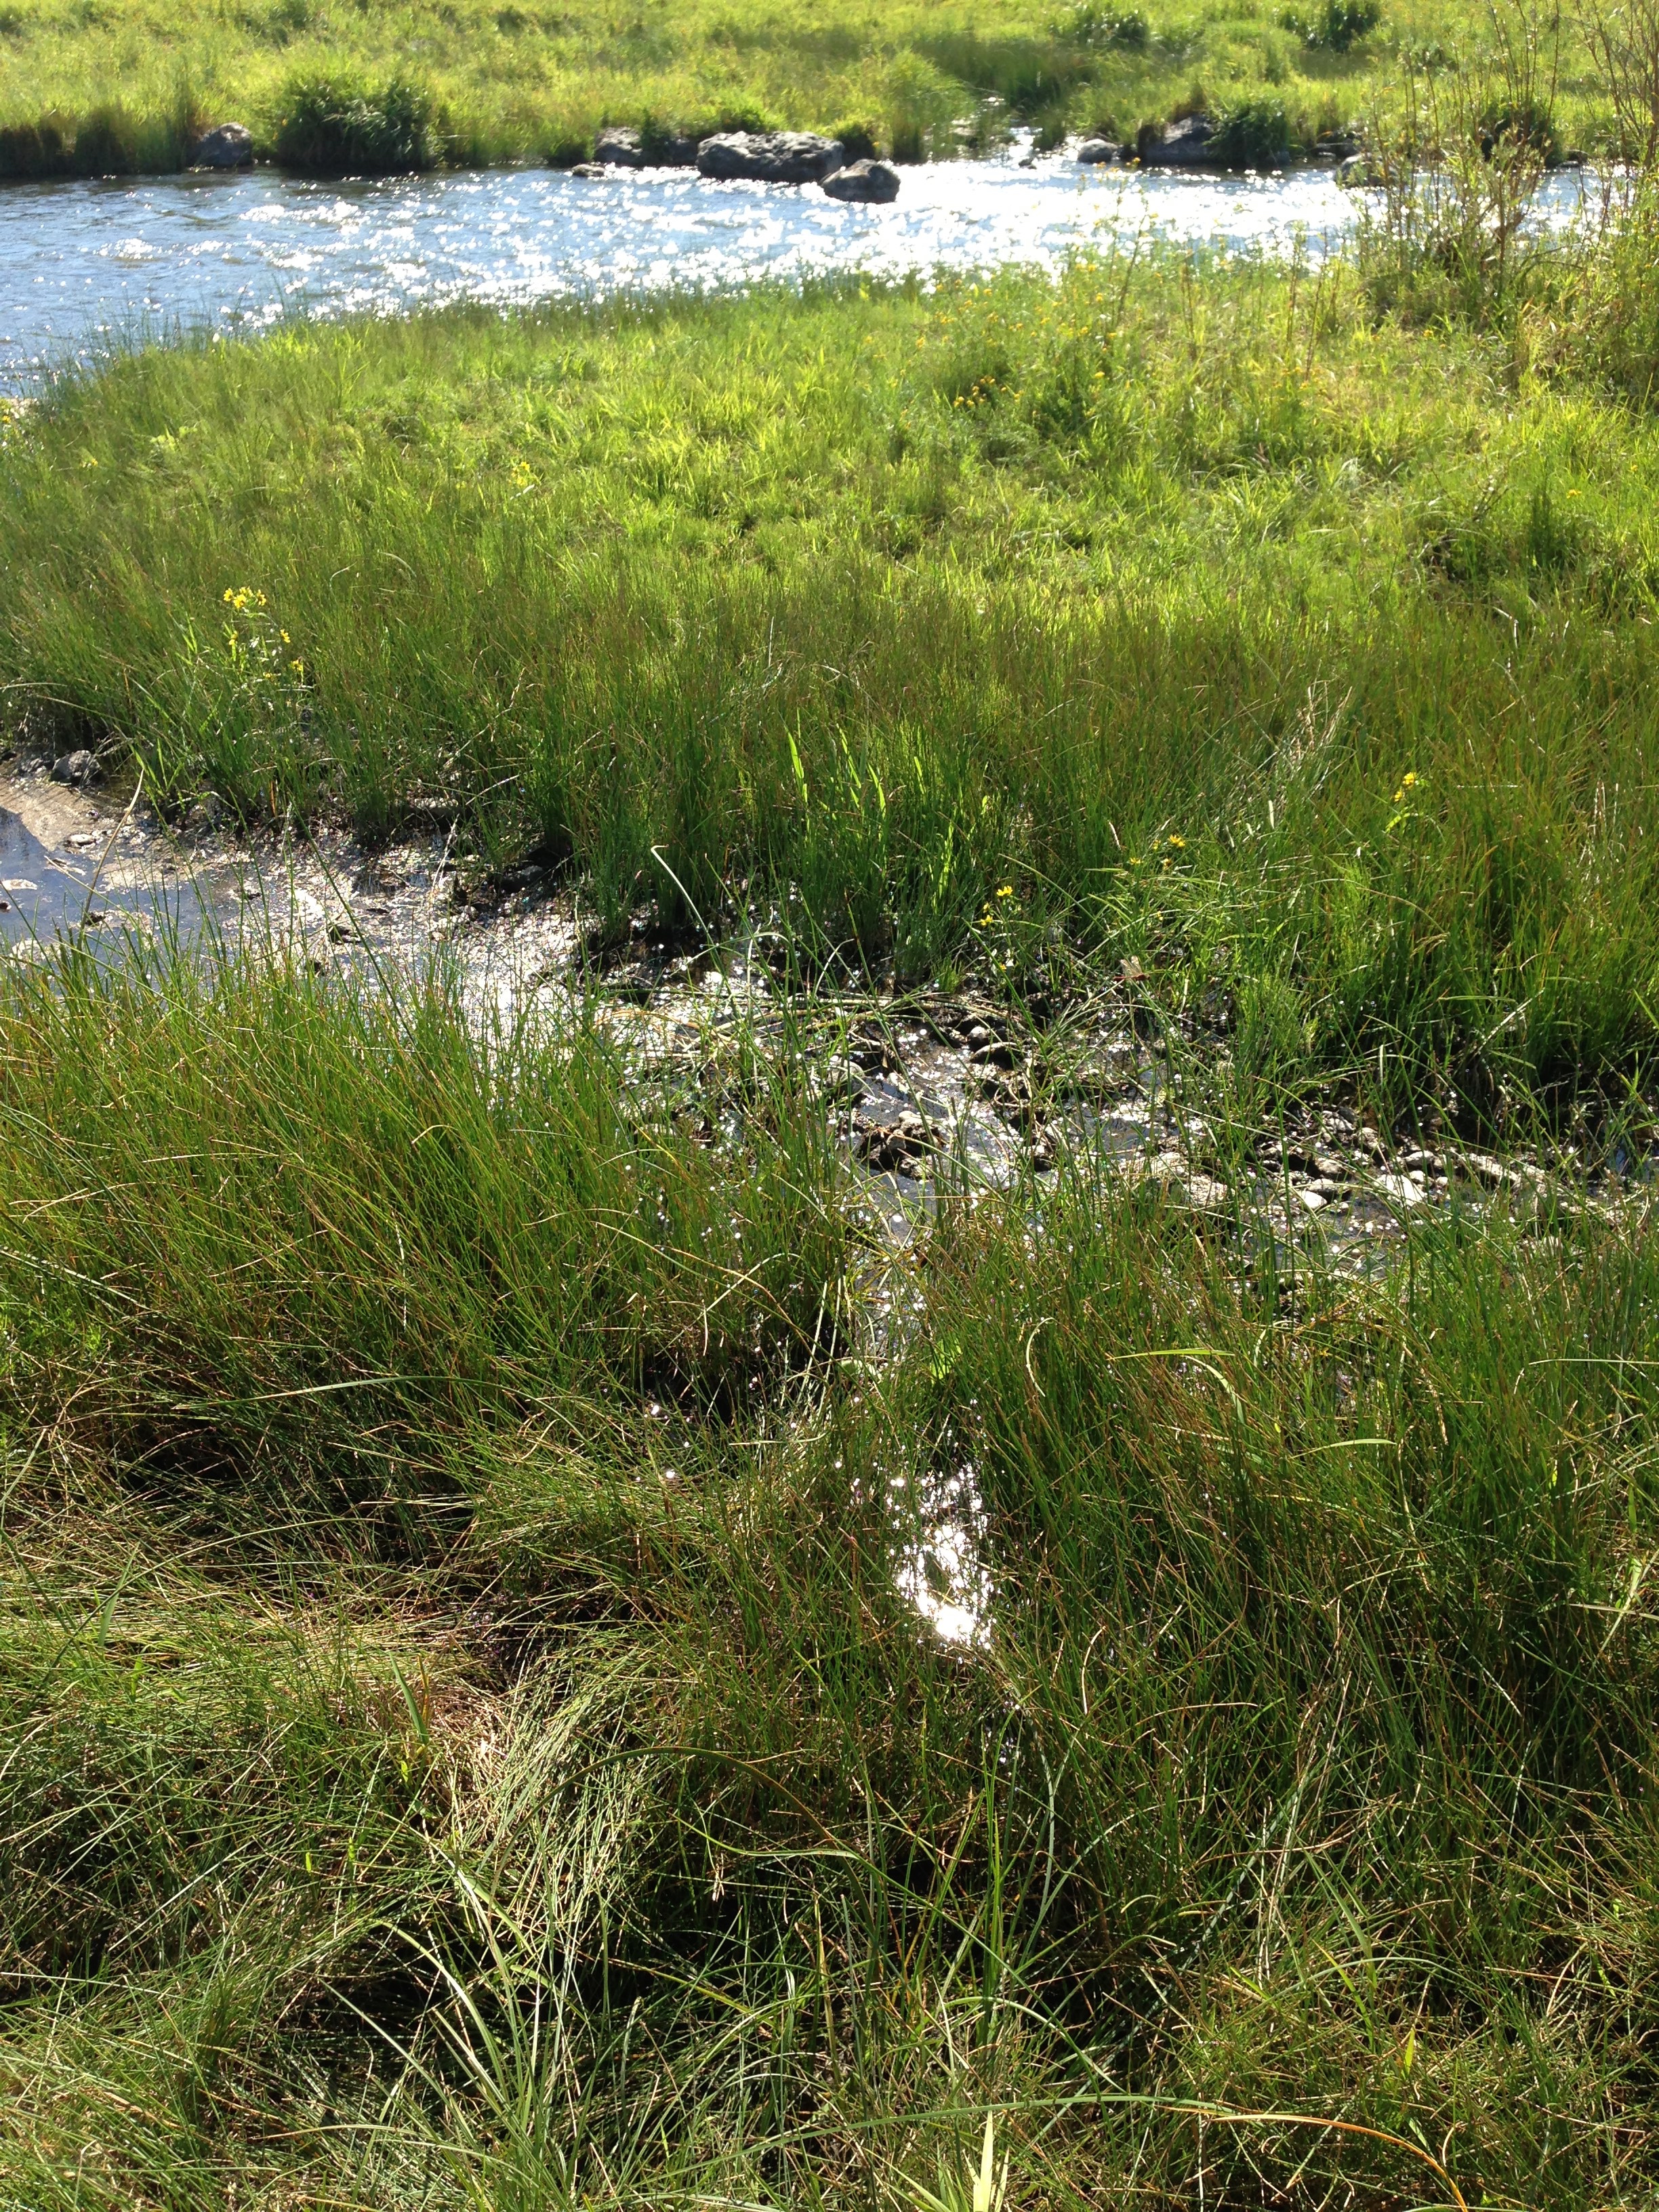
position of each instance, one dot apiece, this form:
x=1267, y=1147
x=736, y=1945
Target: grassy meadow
x=127, y=84
x=464, y=1738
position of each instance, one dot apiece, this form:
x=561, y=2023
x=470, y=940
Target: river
x=88, y=266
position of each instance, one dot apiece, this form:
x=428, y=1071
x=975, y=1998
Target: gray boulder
x=1095, y=152
x=876, y=181
x=771, y=157
x=76, y=768
x=1182, y=145
x=618, y=148
x=227, y=146
x=595, y=172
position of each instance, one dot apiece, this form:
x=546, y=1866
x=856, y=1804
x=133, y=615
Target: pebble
x=1402, y=1189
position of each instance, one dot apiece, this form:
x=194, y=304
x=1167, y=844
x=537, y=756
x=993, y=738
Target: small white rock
x=1402, y=1189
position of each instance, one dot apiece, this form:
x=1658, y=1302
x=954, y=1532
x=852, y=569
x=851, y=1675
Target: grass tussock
x=460, y=1749
x=329, y=126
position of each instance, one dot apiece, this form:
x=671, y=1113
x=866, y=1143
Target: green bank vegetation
x=1244, y=630
x=463, y=1745
x=110, y=88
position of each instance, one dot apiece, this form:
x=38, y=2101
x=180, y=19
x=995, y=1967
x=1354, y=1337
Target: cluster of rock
x=801, y=157
x=1189, y=142
x=1183, y=144
x=770, y=157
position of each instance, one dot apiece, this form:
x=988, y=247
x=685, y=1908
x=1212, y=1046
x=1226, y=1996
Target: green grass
x=464, y=1740
x=878, y=602
x=509, y=82
x=464, y=1744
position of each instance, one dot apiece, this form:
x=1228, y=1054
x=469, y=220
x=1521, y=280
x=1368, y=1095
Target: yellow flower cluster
x=1408, y=783
x=1175, y=840
x=246, y=601
x=983, y=390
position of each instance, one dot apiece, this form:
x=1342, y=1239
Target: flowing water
x=87, y=266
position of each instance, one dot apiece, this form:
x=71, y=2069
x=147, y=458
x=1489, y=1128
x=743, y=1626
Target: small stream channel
x=88, y=267
x=931, y=1100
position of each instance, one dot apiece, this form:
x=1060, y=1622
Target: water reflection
x=88, y=890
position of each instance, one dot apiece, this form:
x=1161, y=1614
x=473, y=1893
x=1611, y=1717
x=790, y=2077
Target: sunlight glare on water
x=84, y=266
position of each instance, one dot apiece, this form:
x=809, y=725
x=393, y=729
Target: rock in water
x=877, y=181
x=76, y=768
x=621, y=147
x=594, y=171
x=1095, y=151
x=618, y=147
x=1182, y=145
x=227, y=146
x=773, y=157
x=1360, y=172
